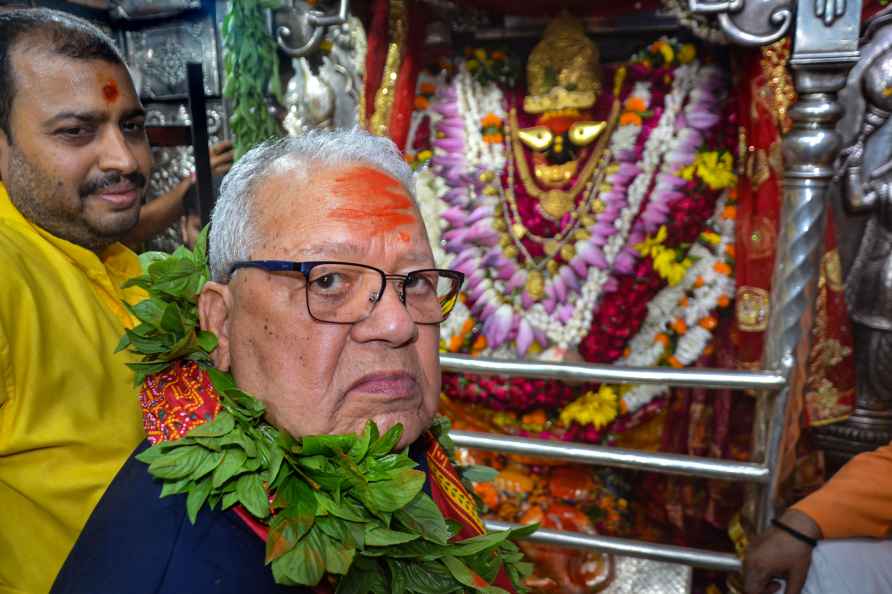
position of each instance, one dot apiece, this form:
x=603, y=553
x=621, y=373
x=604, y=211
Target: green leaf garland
x=251, y=66
x=343, y=505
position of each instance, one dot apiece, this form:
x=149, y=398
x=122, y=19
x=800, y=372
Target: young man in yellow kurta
x=74, y=160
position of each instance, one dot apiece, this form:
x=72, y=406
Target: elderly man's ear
x=214, y=305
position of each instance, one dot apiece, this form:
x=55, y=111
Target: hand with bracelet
x=783, y=551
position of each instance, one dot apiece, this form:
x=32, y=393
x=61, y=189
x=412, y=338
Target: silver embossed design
x=159, y=56
x=642, y=576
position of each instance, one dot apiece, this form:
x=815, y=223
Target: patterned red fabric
x=177, y=400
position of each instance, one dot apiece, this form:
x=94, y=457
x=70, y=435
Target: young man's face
x=78, y=158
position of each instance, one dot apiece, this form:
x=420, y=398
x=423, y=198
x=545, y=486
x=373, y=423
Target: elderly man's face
x=317, y=377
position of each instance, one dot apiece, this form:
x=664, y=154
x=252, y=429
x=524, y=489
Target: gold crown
x=563, y=71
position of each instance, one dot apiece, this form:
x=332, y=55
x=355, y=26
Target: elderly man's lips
x=396, y=385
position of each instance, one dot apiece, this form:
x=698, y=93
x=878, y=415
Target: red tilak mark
x=385, y=202
x=110, y=91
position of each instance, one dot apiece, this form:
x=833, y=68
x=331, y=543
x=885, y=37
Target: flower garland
x=570, y=297
x=679, y=323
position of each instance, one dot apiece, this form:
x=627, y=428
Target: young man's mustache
x=96, y=186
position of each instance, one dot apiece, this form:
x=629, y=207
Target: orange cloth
x=857, y=501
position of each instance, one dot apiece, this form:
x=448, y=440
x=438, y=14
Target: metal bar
x=823, y=53
x=198, y=114
x=615, y=457
x=629, y=548
x=590, y=372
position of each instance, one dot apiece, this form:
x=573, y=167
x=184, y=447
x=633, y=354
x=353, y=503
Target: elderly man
x=325, y=303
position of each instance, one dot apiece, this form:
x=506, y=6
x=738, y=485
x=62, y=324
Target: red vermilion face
x=317, y=377
x=78, y=158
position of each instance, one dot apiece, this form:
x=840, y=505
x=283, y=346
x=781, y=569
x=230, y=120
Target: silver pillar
x=824, y=49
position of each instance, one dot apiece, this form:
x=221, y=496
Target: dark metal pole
x=198, y=113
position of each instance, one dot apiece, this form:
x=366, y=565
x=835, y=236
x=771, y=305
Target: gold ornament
x=563, y=71
x=556, y=204
x=552, y=267
x=568, y=252
x=556, y=175
x=399, y=30
x=535, y=285
x=551, y=247
x=518, y=230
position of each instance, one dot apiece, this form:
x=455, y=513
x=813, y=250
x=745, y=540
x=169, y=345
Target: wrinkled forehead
x=302, y=206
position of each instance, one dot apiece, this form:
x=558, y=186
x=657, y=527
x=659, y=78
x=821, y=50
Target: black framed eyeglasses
x=346, y=293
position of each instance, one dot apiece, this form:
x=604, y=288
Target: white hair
x=232, y=234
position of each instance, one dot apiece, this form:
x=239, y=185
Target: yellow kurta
x=69, y=415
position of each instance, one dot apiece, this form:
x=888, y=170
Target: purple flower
x=518, y=279
x=499, y=325
x=591, y=254
x=625, y=261
x=524, y=337
x=580, y=266
x=455, y=216
x=569, y=278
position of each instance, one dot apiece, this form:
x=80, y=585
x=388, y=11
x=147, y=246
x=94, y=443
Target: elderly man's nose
x=389, y=320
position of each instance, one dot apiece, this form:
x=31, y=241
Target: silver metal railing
x=615, y=457
x=591, y=372
x=629, y=548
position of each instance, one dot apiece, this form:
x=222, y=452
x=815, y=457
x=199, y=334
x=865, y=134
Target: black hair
x=60, y=32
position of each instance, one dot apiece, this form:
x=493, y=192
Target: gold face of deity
x=556, y=141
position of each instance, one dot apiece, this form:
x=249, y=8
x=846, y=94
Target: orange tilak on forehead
x=381, y=202
x=110, y=91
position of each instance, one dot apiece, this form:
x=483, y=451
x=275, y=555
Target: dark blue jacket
x=135, y=542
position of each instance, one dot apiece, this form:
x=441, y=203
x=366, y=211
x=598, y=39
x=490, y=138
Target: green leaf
x=463, y=574
x=304, y=565
x=476, y=544
x=338, y=556
x=220, y=426
x=477, y=473
x=429, y=578
x=211, y=461
x=196, y=498
x=391, y=495
x=149, y=455
x=423, y=516
x=313, y=445
x=178, y=463
x=361, y=447
x=383, y=537
x=386, y=442
x=207, y=341
x=233, y=463
x=252, y=495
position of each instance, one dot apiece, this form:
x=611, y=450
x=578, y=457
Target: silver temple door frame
x=825, y=46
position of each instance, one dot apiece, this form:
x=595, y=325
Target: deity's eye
x=538, y=138
x=584, y=133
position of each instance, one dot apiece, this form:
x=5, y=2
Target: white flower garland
x=645, y=350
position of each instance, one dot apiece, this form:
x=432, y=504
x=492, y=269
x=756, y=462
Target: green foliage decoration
x=344, y=505
x=251, y=66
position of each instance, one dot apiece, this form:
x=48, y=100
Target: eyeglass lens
x=344, y=293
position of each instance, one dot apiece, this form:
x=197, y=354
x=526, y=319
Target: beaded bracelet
x=795, y=533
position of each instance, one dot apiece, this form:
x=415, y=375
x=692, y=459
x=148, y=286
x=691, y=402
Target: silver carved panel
x=172, y=164
x=641, y=576
x=159, y=55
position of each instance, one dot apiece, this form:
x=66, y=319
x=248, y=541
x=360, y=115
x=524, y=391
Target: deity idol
x=593, y=217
